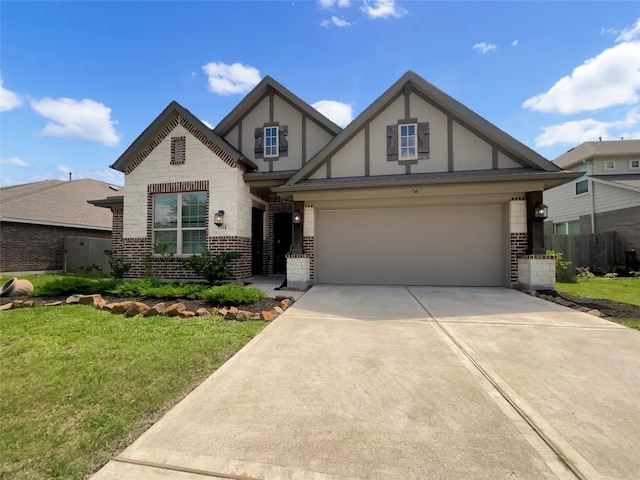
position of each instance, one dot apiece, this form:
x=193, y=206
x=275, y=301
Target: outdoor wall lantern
x=541, y=211
x=297, y=217
x=218, y=217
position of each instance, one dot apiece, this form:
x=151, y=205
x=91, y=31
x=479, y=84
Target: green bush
x=154, y=288
x=214, y=269
x=232, y=294
x=70, y=285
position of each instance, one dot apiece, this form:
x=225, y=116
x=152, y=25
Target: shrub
x=232, y=294
x=213, y=269
x=563, y=273
x=71, y=285
x=153, y=288
x=584, y=273
x=117, y=265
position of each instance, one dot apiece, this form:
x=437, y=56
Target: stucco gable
x=412, y=98
x=173, y=116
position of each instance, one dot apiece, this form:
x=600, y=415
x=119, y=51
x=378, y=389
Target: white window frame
x=609, y=162
x=637, y=165
x=274, y=147
x=415, y=141
x=179, y=229
x=583, y=178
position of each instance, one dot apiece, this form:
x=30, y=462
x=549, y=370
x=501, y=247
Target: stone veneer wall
x=537, y=272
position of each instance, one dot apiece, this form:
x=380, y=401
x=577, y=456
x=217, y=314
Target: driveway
x=409, y=383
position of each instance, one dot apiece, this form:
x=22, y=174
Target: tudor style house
x=417, y=190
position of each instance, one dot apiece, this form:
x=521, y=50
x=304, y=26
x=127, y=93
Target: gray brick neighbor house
x=418, y=189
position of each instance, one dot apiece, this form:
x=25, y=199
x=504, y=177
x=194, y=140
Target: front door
x=256, y=241
x=282, y=237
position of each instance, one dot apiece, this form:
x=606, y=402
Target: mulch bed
x=608, y=308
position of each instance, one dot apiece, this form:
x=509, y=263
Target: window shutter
x=392, y=143
x=259, y=147
x=423, y=140
x=283, y=142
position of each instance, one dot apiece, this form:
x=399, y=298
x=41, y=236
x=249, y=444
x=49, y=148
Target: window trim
x=179, y=229
x=606, y=165
x=276, y=128
x=631, y=167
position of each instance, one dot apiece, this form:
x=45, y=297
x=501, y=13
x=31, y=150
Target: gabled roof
x=590, y=150
x=260, y=91
x=461, y=114
x=150, y=133
x=56, y=202
x=630, y=181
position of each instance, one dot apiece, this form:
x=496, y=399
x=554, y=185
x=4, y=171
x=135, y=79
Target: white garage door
x=463, y=246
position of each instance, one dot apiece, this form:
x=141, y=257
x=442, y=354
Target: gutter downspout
x=589, y=163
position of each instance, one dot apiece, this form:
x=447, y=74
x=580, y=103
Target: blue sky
x=81, y=80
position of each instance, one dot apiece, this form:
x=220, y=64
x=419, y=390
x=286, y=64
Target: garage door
x=412, y=246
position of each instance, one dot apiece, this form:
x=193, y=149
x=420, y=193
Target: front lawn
x=78, y=384
x=626, y=290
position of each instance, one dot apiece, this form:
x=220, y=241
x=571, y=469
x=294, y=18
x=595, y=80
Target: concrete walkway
x=409, y=383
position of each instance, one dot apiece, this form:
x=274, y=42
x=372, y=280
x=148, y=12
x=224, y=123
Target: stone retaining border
x=563, y=302
x=133, y=308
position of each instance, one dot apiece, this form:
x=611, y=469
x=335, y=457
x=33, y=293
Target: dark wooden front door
x=256, y=241
x=282, y=236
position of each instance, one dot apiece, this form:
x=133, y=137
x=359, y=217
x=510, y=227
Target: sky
x=81, y=80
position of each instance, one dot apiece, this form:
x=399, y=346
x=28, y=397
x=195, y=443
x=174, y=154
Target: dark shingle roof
x=56, y=202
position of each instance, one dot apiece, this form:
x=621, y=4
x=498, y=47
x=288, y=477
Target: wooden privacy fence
x=86, y=254
x=591, y=250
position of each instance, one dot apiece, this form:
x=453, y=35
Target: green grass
x=626, y=290
x=78, y=384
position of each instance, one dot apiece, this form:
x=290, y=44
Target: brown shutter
x=423, y=140
x=283, y=141
x=259, y=149
x=392, y=143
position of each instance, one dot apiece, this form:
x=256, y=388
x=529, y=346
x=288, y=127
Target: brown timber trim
x=297, y=246
x=535, y=228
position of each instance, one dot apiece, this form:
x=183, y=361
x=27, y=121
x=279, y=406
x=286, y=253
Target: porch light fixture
x=218, y=218
x=541, y=211
x=297, y=217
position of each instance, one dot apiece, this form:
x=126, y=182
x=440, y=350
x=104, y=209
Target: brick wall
x=33, y=248
x=517, y=247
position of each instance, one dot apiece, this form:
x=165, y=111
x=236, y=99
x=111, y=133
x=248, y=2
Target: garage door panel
x=412, y=246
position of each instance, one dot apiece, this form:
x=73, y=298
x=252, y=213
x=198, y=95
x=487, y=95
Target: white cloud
x=484, y=47
x=515, y=43
x=231, y=79
x=588, y=130
x=66, y=169
x=338, y=22
x=207, y=124
x=382, y=9
x=337, y=112
x=611, y=78
x=84, y=120
x=608, y=31
x=629, y=34
x=8, y=99
x=14, y=161
x=330, y=4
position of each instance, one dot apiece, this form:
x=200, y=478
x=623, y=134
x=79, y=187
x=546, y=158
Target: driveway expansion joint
x=177, y=468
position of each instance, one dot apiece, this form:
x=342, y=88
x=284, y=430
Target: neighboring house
x=606, y=197
x=418, y=189
x=36, y=217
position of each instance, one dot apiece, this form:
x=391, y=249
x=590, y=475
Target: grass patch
x=626, y=290
x=78, y=384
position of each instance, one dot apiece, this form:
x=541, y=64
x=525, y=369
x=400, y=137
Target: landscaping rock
x=231, y=313
x=120, y=307
x=187, y=314
x=54, y=304
x=583, y=309
x=595, y=313
x=214, y=311
x=28, y=304
x=136, y=308
x=222, y=312
x=157, y=309
x=267, y=316
x=254, y=316
x=175, y=309
x=243, y=316
x=530, y=292
x=284, y=304
x=202, y=312
x=279, y=298
x=6, y=306
x=278, y=310
x=73, y=299
x=17, y=303
x=92, y=300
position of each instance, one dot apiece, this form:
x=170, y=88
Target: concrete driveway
x=409, y=383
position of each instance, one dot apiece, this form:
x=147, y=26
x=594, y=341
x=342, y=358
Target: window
x=179, y=222
x=178, y=153
x=271, y=141
x=408, y=141
x=609, y=165
x=582, y=183
x=567, y=228
x=634, y=164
